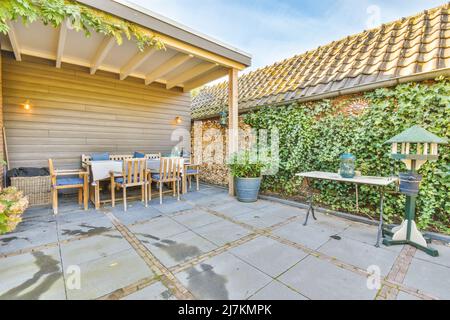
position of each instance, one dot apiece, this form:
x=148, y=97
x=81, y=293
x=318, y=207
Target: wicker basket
x=37, y=189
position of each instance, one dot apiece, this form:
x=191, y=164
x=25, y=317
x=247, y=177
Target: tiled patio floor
x=208, y=246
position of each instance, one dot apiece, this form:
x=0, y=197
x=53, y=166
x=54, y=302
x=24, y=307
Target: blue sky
x=274, y=30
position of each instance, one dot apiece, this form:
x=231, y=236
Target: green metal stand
x=410, y=213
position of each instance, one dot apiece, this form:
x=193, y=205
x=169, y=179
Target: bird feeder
x=414, y=147
x=223, y=118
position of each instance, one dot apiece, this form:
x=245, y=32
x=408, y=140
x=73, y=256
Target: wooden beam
x=167, y=67
x=190, y=74
x=135, y=62
x=14, y=41
x=102, y=53
x=233, y=120
x=211, y=76
x=61, y=43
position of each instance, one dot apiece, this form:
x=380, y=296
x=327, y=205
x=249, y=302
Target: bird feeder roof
x=417, y=134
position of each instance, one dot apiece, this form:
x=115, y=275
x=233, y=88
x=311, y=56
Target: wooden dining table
x=101, y=171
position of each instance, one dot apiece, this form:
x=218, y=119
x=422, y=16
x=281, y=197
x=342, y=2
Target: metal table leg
x=311, y=207
x=380, y=227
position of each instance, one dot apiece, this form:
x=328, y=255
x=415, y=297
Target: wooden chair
x=133, y=175
x=169, y=172
x=67, y=179
x=192, y=170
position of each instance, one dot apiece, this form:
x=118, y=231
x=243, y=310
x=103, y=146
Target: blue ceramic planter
x=247, y=189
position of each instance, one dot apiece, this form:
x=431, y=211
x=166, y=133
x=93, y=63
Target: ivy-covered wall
x=314, y=135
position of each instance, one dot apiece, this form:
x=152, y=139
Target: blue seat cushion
x=119, y=180
x=192, y=171
x=139, y=155
x=69, y=181
x=156, y=176
x=100, y=156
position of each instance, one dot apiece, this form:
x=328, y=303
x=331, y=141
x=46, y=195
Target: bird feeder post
x=407, y=233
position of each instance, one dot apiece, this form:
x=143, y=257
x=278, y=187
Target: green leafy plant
x=313, y=136
x=81, y=18
x=246, y=165
x=12, y=205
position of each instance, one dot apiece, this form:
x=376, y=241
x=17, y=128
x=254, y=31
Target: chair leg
x=55, y=201
x=113, y=193
x=174, y=188
x=190, y=182
x=149, y=191
x=197, y=177
x=160, y=193
x=86, y=194
x=80, y=196
x=178, y=190
x=124, y=198
x=144, y=192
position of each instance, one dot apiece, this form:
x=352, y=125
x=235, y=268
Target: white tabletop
x=373, y=181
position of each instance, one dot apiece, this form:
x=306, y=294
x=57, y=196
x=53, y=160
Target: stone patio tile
x=405, y=296
x=103, y=276
x=136, y=214
x=283, y=211
x=277, y=291
x=360, y=254
x=89, y=227
x=330, y=224
x=176, y=249
x=78, y=216
x=223, y=277
x=212, y=200
x=196, y=218
x=265, y=218
x=232, y=209
x=32, y=276
x=161, y=227
x=444, y=255
x=312, y=238
x=260, y=204
x=156, y=291
x=365, y=233
x=213, y=191
x=429, y=278
x=221, y=233
x=93, y=248
x=173, y=207
x=37, y=211
x=30, y=238
x=269, y=256
x=320, y=280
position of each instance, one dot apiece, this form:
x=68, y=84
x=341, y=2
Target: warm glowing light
x=27, y=106
x=178, y=120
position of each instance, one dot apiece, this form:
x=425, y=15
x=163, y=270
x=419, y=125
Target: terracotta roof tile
x=417, y=44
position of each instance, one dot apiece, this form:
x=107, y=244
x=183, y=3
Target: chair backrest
x=155, y=156
x=134, y=171
x=85, y=158
x=170, y=168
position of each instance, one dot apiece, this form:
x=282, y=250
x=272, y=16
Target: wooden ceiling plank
x=190, y=74
x=14, y=41
x=102, y=52
x=211, y=76
x=136, y=62
x=167, y=67
x=61, y=43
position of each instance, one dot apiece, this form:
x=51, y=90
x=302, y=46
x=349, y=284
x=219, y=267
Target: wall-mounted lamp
x=27, y=106
x=178, y=120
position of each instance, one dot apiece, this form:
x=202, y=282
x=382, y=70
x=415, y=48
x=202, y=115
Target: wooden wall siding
x=74, y=112
x=2, y=154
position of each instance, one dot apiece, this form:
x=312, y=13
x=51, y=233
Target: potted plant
x=12, y=205
x=247, y=171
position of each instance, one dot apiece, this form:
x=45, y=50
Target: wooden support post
x=233, y=125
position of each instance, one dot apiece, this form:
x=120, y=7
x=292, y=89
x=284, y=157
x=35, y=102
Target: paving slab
x=161, y=227
x=277, y=291
x=103, y=276
x=365, y=233
x=176, y=249
x=320, y=280
x=35, y=237
x=360, y=254
x=87, y=228
x=173, y=207
x=444, y=255
x=232, y=209
x=135, y=215
x=223, y=277
x=260, y=219
x=221, y=233
x=406, y=296
x=96, y=247
x=313, y=238
x=269, y=256
x=330, y=224
x=156, y=291
x=32, y=276
x=196, y=218
x=429, y=278
x=78, y=216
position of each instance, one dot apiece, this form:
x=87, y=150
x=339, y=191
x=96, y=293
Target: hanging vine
x=81, y=18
